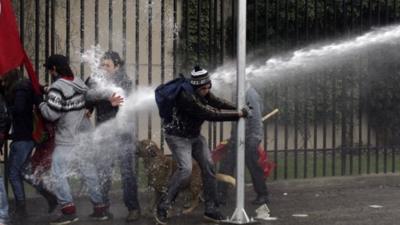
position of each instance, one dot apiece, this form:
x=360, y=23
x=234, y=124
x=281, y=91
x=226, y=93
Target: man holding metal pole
x=193, y=105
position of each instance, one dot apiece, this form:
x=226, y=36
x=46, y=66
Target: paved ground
x=322, y=201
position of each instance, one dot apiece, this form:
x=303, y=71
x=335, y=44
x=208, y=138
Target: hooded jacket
x=192, y=110
x=65, y=104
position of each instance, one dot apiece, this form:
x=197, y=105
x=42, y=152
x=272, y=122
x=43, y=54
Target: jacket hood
x=76, y=85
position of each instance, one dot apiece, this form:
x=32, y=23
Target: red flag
x=12, y=54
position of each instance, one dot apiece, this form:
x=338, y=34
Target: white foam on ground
x=268, y=218
x=300, y=215
x=376, y=206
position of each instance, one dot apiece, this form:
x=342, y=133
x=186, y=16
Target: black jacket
x=21, y=107
x=192, y=110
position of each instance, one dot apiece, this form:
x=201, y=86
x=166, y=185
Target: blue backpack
x=166, y=94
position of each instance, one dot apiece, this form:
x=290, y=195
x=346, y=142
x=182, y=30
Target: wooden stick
x=275, y=111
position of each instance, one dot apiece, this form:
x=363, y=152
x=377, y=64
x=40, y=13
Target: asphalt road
x=363, y=200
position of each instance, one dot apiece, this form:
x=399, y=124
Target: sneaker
x=161, y=216
x=133, y=215
x=65, y=219
x=260, y=200
x=215, y=217
x=101, y=216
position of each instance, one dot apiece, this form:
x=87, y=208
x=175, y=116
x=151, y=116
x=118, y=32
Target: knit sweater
x=65, y=104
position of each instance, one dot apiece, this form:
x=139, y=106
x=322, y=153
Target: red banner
x=12, y=53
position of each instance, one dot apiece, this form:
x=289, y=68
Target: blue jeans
x=183, y=149
x=127, y=162
x=20, y=152
x=62, y=168
x=4, y=218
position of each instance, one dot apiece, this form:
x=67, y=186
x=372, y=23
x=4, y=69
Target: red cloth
x=263, y=161
x=220, y=151
x=41, y=158
x=12, y=53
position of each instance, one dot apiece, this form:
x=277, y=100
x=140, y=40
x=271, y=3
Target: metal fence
x=324, y=127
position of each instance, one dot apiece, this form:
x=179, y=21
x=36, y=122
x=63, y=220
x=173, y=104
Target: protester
x=122, y=147
x=253, y=136
x=182, y=134
x=65, y=104
x=4, y=126
x=20, y=101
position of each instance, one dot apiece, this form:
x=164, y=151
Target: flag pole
x=239, y=215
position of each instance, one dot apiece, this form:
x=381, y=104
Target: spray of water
x=103, y=143
x=311, y=58
x=304, y=60
x=93, y=58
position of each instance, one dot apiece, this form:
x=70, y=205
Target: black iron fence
x=331, y=122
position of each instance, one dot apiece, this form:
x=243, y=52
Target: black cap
x=57, y=61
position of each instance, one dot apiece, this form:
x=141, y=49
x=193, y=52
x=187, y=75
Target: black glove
x=246, y=111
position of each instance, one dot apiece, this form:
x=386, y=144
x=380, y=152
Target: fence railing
x=326, y=126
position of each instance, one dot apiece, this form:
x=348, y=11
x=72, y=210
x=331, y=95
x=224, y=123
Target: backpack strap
x=187, y=86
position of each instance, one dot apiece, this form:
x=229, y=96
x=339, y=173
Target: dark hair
x=60, y=63
x=114, y=57
x=10, y=81
x=64, y=71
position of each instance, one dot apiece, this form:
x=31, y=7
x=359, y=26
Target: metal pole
x=239, y=215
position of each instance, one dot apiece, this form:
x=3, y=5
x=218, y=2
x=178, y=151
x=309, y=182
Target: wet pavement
x=362, y=200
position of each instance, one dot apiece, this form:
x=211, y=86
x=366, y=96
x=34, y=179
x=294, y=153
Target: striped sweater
x=65, y=104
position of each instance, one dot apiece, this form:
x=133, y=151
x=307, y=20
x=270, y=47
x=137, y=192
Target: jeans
x=4, y=218
x=19, y=154
x=62, y=167
x=228, y=165
x=127, y=161
x=183, y=149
